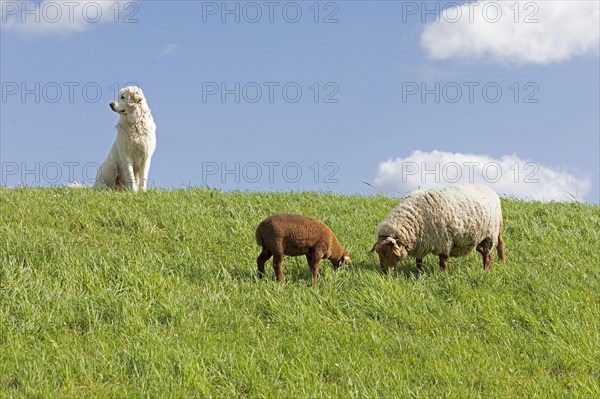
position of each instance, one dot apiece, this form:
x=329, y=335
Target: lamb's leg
x=485, y=249
x=309, y=260
x=314, y=268
x=444, y=263
x=419, y=266
x=264, y=256
x=316, y=255
x=278, y=266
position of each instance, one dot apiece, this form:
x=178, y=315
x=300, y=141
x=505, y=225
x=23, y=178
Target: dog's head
x=131, y=101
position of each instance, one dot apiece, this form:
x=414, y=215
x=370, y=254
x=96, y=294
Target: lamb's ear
x=374, y=246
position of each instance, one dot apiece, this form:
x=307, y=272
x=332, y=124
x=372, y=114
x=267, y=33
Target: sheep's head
x=344, y=260
x=390, y=252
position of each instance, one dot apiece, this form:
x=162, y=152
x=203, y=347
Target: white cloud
x=509, y=175
x=51, y=17
x=507, y=31
x=168, y=49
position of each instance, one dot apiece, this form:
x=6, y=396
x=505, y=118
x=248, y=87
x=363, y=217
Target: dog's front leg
x=144, y=170
x=130, y=181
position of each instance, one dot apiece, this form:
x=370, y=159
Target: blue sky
x=361, y=123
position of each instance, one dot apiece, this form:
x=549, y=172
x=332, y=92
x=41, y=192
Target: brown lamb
x=296, y=235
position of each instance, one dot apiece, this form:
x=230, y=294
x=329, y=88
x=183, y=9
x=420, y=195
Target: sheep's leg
x=444, y=263
x=485, y=249
x=314, y=267
x=309, y=260
x=419, y=266
x=500, y=247
x=489, y=261
x=278, y=266
x=264, y=256
x=314, y=262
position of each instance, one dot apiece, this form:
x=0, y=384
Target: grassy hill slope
x=116, y=294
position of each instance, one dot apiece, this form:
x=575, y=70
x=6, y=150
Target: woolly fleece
x=449, y=221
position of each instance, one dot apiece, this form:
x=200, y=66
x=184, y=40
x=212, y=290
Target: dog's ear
x=135, y=95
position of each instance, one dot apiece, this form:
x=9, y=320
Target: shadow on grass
x=295, y=269
x=292, y=270
x=406, y=269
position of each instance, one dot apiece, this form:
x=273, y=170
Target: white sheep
x=449, y=221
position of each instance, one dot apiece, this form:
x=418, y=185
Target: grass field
x=106, y=294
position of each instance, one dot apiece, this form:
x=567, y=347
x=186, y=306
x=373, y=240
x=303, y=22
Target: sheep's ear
x=374, y=246
x=399, y=251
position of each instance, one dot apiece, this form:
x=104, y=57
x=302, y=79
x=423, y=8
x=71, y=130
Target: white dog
x=128, y=161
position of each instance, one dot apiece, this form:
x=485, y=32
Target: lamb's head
x=390, y=253
x=131, y=103
x=340, y=260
